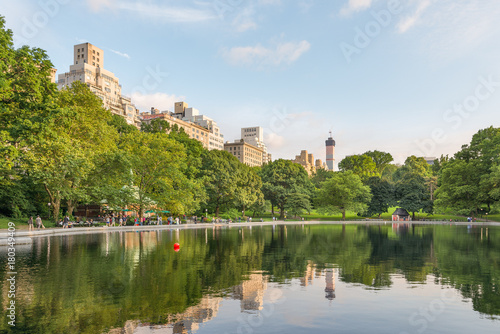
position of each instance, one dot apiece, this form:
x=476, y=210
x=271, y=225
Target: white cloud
x=244, y=20
x=282, y=53
x=448, y=28
x=409, y=21
x=124, y=55
x=354, y=6
x=161, y=101
x=150, y=10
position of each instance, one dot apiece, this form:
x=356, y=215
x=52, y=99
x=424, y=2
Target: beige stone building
x=88, y=68
x=194, y=131
x=184, y=112
x=246, y=153
x=307, y=161
x=255, y=136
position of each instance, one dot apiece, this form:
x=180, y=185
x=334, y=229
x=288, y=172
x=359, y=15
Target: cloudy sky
x=406, y=77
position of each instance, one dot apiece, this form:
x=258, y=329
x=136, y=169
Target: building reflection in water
x=251, y=292
x=330, y=284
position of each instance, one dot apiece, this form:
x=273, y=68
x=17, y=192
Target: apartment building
x=307, y=161
x=194, y=131
x=184, y=112
x=88, y=68
x=246, y=153
x=255, y=136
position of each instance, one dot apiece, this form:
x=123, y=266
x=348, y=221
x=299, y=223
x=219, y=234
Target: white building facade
x=255, y=136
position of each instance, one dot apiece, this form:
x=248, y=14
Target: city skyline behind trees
x=64, y=148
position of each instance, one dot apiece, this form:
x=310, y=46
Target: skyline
x=418, y=78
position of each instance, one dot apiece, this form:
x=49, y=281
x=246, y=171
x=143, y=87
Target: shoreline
x=55, y=231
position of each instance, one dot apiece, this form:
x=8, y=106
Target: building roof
x=400, y=212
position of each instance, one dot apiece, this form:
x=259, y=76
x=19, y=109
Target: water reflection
x=136, y=282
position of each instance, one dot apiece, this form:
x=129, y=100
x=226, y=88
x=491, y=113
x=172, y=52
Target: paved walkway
x=24, y=235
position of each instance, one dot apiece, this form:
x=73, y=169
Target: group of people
x=37, y=221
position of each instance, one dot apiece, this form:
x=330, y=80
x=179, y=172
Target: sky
x=413, y=77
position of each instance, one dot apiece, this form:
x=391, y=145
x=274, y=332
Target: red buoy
x=177, y=247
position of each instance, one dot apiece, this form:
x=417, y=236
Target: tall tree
x=68, y=144
x=412, y=193
x=381, y=159
x=248, y=191
x=280, y=179
x=362, y=165
x=297, y=203
x=220, y=172
x=344, y=192
x=157, y=164
x=382, y=196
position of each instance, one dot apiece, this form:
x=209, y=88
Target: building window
x=93, y=63
x=97, y=53
x=97, y=59
x=93, y=51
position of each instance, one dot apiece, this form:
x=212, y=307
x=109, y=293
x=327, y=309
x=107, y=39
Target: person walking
x=30, y=224
x=39, y=222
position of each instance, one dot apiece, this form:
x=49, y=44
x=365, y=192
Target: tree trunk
x=56, y=206
x=217, y=211
x=413, y=215
x=71, y=207
x=282, y=211
x=272, y=209
x=55, y=201
x=343, y=214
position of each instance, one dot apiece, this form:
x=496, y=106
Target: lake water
x=284, y=279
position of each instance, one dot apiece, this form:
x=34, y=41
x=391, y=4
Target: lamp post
x=206, y=213
x=486, y=216
x=49, y=209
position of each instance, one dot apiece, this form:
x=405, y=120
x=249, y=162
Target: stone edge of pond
x=25, y=236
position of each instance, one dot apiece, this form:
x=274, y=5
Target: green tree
x=413, y=165
x=344, y=192
x=297, y=203
x=156, y=126
x=157, y=165
x=460, y=188
x=280, y=179
x=381, y=159
x=466, y=182
x=412, y=193
x=382, y=196
x=320, y=176
x=248, y=190
x=220, y=172
x=362, y=165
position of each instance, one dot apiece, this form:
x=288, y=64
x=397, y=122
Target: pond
x=354, y=278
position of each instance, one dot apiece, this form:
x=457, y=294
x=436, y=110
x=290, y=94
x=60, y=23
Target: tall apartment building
x=194, y=131
x=183, y=112
x=246, y=153
x=330, y=152
x=307, y=161
x=88, y=61
x=255, y=136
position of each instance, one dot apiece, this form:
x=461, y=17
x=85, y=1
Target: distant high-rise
x=330, y=152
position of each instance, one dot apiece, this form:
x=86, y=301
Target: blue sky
x=406, y=77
